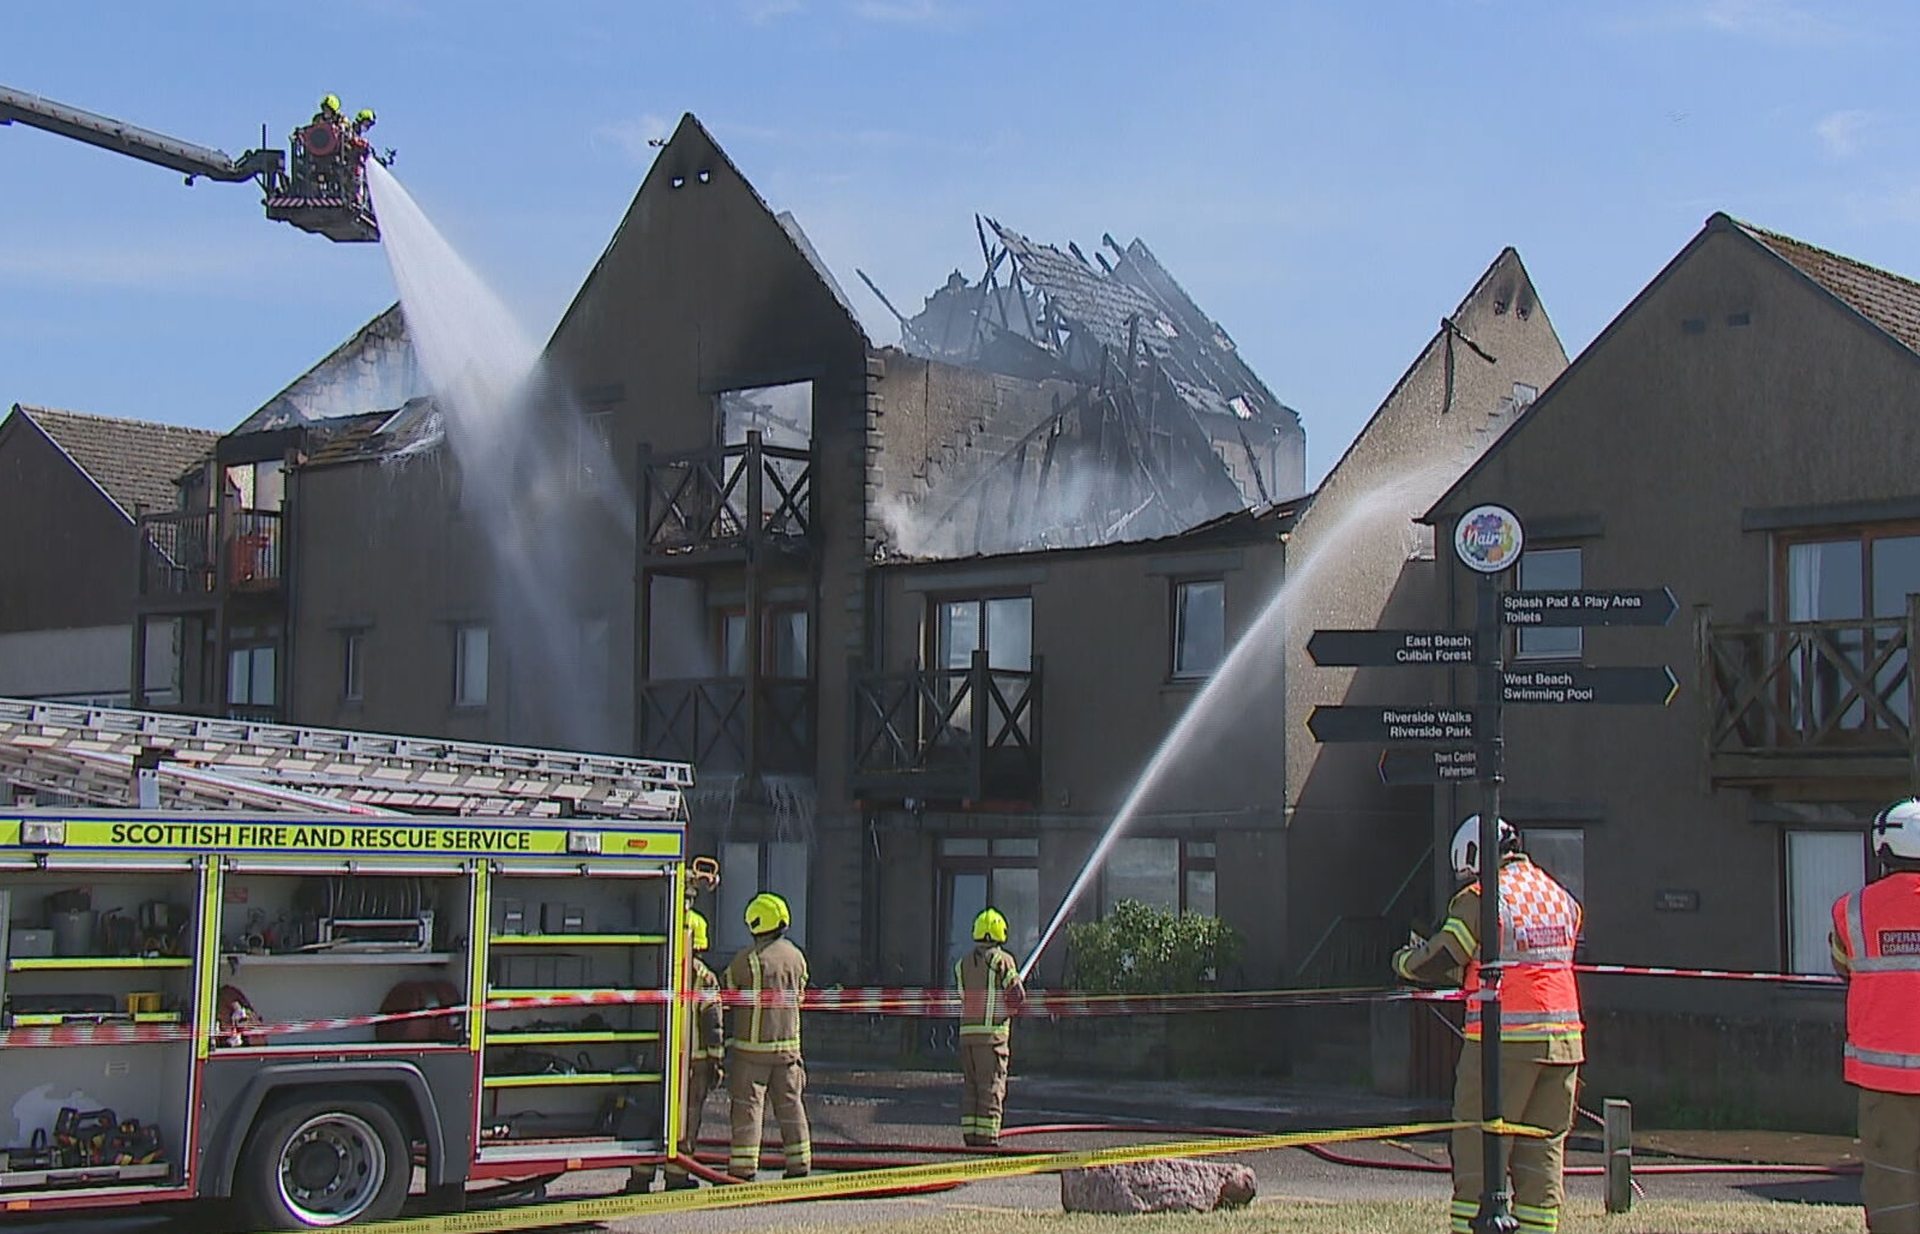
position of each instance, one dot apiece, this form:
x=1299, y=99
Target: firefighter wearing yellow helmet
x=705, y=1073
x=990, y=994
x=764, y=1065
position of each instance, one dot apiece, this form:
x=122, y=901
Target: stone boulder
x=1156, y=1187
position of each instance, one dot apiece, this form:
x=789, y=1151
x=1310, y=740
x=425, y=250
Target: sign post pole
x=1489, y=540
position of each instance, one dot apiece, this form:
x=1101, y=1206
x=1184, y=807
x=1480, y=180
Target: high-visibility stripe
x=766, y=1047
x=1883, y=1058
x=753, y=966
x=1461, y=933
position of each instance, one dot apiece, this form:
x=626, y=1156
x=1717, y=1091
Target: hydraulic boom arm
x=266, y=166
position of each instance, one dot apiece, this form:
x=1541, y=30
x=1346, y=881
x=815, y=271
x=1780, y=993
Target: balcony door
x=1001, y=626
x=1862, y=579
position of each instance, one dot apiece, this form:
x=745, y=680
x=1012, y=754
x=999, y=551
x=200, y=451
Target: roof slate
x=1885, y=299
x=135, y=462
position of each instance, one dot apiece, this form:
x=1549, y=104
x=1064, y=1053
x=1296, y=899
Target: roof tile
x=1887, y=300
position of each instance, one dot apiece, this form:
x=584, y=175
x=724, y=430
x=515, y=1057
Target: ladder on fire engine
x=93, y=754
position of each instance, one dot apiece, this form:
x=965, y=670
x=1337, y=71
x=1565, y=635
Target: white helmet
x=1466, y=844
x=1896, y=831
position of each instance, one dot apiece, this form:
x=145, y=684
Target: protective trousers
x=983, y=1079
x=1890, y=1146
x=750, y=1081
x=1532, y=1094
x=699, y=1084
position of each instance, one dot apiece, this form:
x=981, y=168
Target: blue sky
x=1326, y=179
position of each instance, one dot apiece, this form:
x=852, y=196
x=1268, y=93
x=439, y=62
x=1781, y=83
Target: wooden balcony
x=725, y=502
x=706, y=722
x=1811, y=708
x=947, y=735
x=187, y=554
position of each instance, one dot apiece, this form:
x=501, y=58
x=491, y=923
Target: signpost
x=1437, y=744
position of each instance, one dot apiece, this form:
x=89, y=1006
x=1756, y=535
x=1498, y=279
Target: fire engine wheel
x=322, y=1163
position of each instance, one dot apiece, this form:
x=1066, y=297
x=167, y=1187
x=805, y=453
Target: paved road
x=921, y=1108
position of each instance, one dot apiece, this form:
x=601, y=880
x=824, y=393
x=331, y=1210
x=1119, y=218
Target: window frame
x=947, y=864
x=980, y=599
x=1519, y=649
x=251, y=649
x=1785, y=889
x=1863, y=534
x=1187, y=861
x=462, y=631
x=1175, y=624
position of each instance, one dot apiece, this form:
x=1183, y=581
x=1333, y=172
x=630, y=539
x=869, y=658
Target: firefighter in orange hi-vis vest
x=1876, y=946
x=1540, y=1029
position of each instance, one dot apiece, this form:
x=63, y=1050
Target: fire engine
x=293, y=966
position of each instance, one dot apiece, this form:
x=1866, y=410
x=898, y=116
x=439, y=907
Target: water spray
x=1404, y=495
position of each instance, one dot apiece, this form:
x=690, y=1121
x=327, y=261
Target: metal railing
x=726, y=497
x=1837, y=690
x=704, y=721
x=179, y=557
x=968, y=734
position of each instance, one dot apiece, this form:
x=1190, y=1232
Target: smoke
x=1083, y=504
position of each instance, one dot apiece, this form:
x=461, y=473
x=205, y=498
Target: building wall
x=1352, y=840
x=68, y=556
x=1646, y=455
x=1102, y=630
x=90, y=661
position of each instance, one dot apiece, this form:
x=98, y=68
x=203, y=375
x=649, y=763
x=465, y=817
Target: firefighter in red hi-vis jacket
x=1540, y=1030
x=1876, y=946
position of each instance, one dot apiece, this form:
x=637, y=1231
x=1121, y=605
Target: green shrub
x=1140, y=949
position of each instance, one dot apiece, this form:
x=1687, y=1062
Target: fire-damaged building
x=917, y=613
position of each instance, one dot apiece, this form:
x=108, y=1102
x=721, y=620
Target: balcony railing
x=178, y=555
x=969, y=734
x=1809, y=699
x=704, y=721
x=727, y=497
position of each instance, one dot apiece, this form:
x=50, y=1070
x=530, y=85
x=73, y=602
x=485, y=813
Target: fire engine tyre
x=325, y=1162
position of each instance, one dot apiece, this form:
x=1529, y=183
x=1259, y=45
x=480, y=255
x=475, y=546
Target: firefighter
x=1540, y=1030
x=1876, y=946
x=990, y=993
x=763, y=1050
x=705, y=1072
x=329, y=112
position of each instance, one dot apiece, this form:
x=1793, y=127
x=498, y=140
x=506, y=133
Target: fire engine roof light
x=43, y=831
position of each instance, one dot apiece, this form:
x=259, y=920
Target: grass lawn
x=1384, y=1217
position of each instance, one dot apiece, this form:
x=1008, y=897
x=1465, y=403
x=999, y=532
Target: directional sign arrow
x=1410, y=723
x=1387, y=648
x=1579, y=684
x=1437, y=766
x=1653, y=606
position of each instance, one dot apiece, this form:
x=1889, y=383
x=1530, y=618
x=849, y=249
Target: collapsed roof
x=376, y=369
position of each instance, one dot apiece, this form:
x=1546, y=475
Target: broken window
x=782, y=415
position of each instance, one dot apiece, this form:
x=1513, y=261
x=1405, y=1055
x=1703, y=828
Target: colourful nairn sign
x=1488, y=539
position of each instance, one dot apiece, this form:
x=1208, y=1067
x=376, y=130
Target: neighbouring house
x=1743, y=434
x=72, y=486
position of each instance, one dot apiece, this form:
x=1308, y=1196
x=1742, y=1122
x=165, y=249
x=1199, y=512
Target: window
x=352, y=643
x=1177, y=875
x=594, y=448
x=975, y=872
x=747, y=868
x=1562, y=853
x=250, y=676
x=1822, y=866
x=1199, y=626
x=733, y=643
x=782, y=415
x=1549, y=569
x=1856, y=577
x=470, y=666
x=1001, y=626
x=787, y=642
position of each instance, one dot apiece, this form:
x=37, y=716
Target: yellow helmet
x=330, y=104
x=766, y=913
x=697, y=926
x=364, y=115
x=990, y=927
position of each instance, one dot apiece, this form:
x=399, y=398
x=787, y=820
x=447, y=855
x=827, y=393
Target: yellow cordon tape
x=830, y=1186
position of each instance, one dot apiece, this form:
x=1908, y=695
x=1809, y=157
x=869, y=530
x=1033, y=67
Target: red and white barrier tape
x=909, y=1001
